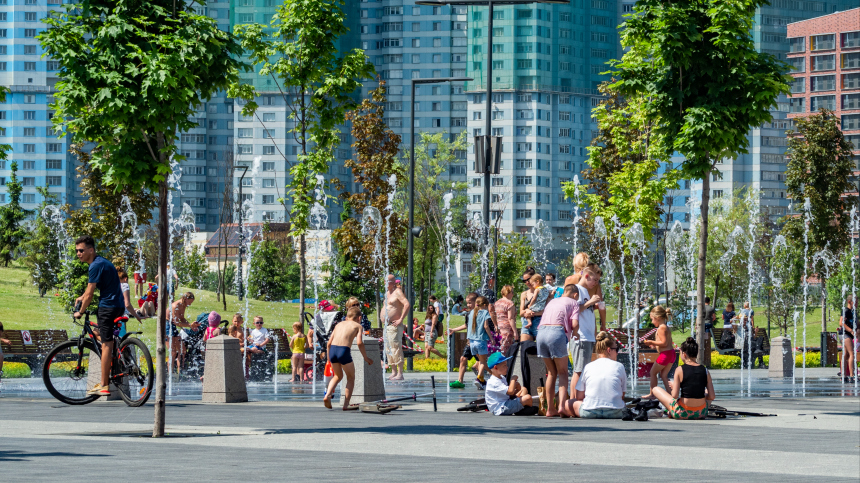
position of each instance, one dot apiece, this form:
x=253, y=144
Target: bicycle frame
x=87, y=331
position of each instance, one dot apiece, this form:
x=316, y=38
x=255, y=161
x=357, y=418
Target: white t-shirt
x=586, y=317
x=438, y=307
x=497, y=394
x=258, y=336
x=603, y=381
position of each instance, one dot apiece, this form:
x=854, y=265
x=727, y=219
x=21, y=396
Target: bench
x=262, y=365
x=31, y=354
x=621, y=336
x=717, y=335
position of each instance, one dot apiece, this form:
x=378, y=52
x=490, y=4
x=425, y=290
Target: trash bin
x=829, y=346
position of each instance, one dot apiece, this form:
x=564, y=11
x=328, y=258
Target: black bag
x=520, y=351
x=727, y=341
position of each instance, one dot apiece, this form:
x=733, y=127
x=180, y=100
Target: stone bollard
x=369, y=385
x=537, y=369
x=94, y=376
x=781, y=363
x=223, y=381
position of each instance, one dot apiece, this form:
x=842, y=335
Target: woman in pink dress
x=506, y=314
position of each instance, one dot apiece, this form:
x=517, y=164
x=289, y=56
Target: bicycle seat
x=120, y=320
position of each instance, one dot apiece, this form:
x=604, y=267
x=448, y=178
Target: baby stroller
x=322, y=325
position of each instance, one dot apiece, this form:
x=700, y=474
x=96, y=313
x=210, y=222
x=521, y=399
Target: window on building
x=850, y=40
x=523, y=214
x=29, y=164
x=797, y=44
x=822, y=83
x=54, y=180
x=796, y=104
x=851, y=81
x=822, y=102
x=850, y=101
x=823, y=62
x=822, y=42
x=524, y=180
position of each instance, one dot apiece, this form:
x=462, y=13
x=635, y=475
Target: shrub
x=15, y=369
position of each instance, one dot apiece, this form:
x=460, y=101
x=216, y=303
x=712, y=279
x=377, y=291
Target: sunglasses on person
x=258, y=323
x=80, y=250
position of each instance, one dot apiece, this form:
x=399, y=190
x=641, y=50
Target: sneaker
x=480, y=385
x=456, y=385
x=99, y=390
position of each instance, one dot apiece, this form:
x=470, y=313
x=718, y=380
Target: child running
x=340, y=355
x=298, y=344
x=504, y=399
x=663, y=343
x=692, y=390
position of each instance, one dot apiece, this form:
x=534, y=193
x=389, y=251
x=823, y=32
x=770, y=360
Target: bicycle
x=65, y=371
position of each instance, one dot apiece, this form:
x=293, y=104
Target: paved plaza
x=810, y=439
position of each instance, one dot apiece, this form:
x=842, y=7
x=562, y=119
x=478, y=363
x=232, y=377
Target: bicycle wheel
x=135, y=366
x=65, y=372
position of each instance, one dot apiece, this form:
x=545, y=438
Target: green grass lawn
x=22, y=308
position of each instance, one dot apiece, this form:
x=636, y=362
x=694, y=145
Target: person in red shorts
x=663, y=343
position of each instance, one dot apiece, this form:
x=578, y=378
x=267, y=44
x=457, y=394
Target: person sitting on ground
x=259, y=337
x=213, y=330
x=467, y=352
x=553, y=336
x=417, y=329
x=431, y=330
x=130, y=311
x=503, y=398
x=339, y=352
x=580, y=261
x=506, y=315
x=584, y=326
x=692, y=389
x=479, y=332
x=663, y=343
x=532, y=313
x=600, y=390
x=847, y=328
x=298, y=345
x=728, y=315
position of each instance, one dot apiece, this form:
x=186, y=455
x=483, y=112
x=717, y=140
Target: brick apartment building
x=824, y=53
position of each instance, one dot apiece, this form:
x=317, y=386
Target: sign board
x=25, y=336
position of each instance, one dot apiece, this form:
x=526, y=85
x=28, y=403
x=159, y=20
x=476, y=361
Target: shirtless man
x=177, y=315
x=394, y=309
x=339, y=352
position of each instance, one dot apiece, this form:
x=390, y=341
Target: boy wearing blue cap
x=504, y=399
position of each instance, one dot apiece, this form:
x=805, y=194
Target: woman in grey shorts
x=552, y=338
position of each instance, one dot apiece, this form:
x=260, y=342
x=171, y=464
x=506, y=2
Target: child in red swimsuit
x=663, y=343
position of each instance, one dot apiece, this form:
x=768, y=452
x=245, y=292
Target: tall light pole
x=412, y=232
x=241, y=289
x=489, y=105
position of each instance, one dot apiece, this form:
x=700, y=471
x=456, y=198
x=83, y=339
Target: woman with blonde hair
x=663, y=343
x=580, y=261
x=600, y=389
x=505, y=313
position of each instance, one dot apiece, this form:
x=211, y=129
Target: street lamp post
x=241, y=252
x=489, y=77
x=412, y=234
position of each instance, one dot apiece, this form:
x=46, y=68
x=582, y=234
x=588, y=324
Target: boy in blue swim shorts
x=339, y=352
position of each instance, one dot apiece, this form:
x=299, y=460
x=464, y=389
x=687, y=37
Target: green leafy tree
x=346, y=281
x=74, y=275
x=300, y=50
x=376, y=148
x=12, y=216
x=434, y=156
x=274, y=273
x=133, y=74
x=191, y=266
x=701, y=81
x=819, y=167
x=514, y=255
x=100, y=213
x=42, y=247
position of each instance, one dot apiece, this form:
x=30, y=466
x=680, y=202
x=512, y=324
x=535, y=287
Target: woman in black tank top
x=692, y=388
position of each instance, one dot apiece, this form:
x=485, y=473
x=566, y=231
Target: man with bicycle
x=102, y=276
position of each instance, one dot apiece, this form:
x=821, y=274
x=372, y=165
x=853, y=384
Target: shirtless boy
x=394, y=309
x=339, y=352
x=178, y=320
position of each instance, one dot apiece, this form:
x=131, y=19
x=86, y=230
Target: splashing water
x=576, y=217
x=449, y=255
x=753, y=204
x=807, y=220
x=541, y=236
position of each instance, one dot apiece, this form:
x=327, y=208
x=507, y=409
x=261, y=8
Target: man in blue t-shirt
x=102, y=276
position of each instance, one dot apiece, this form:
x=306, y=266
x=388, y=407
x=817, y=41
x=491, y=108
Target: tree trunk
x=161, y=316
x=700, y=272
x=303, y=273
x=716, y=289
x=823, y=303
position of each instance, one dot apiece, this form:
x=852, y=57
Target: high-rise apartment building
x=824, y=53
x=25, y=119
x=547, y=64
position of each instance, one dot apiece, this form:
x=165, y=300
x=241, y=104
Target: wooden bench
x=621, y=337
x=31, y=354
x=717, y=335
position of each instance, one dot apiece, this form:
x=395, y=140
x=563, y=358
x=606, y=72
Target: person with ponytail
x=478, y=332
x=600, y=389
x=663, y=343
x=692, y=388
